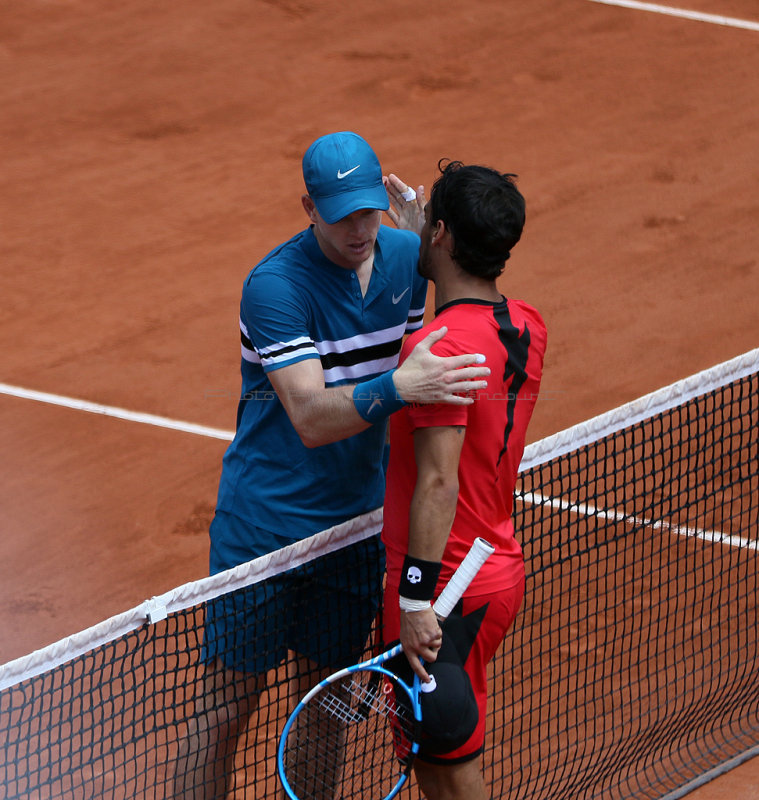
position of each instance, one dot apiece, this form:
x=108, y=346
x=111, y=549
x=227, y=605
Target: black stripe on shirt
x=518, y=348
x=361, y=354
x=282, y=351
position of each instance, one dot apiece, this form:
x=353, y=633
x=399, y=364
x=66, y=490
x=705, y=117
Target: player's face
x=349, y=242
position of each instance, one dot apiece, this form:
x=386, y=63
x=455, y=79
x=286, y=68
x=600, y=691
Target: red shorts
x=478, y=626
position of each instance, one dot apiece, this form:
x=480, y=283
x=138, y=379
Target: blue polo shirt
x=297, y=304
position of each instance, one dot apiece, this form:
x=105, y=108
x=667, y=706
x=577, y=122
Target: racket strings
x=350, y=739
x=353, y=702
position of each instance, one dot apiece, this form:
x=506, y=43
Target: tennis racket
x=349, y=736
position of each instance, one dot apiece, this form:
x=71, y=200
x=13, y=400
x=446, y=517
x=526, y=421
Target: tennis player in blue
x=322, y=319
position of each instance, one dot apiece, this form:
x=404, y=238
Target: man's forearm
x=433, y=508
x=430, y=519
x=325, y=416
x=322, y=415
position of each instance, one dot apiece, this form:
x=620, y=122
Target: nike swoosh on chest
x=397, y=299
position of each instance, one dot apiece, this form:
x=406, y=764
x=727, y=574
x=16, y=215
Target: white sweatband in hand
x=407, y=604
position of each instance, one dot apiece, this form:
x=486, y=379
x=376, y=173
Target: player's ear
x=308, y=205
x=439, y=232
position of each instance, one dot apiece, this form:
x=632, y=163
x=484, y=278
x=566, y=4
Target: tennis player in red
x=452, y=470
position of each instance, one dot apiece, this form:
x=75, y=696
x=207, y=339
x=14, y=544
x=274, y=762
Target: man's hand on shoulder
x=426, y=378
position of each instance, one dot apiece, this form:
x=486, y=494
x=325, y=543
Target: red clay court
x=151, y=156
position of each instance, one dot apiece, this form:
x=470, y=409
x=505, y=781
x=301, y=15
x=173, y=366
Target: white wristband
x=413, y=605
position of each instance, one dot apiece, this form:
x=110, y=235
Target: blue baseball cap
x=342, y=175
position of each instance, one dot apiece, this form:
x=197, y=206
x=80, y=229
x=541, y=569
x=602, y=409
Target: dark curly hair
x=484, y=212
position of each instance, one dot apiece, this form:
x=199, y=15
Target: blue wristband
x=377, y=399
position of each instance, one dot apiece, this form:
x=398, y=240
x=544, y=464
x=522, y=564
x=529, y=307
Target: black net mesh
x=631, y=669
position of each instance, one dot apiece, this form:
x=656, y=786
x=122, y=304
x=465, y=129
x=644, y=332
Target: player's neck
x=364, y=274
x=453, y=285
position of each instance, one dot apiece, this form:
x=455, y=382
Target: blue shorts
x=323, y=610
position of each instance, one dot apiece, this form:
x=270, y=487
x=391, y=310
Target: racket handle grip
x=478, y=554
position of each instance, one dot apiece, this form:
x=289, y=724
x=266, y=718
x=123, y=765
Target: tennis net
x=630, y=672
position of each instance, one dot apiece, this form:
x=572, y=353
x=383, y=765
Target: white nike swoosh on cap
x=341, y=175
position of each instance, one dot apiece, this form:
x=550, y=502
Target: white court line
x=113, y=411
x=589, y=510
x=217, y=433
x=715, y=19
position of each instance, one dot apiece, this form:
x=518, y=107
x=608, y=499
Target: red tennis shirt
x=512, y=336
